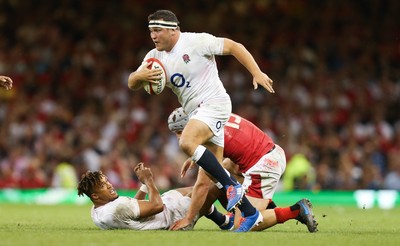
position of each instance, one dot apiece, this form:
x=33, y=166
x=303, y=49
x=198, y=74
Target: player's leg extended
x=194, y=136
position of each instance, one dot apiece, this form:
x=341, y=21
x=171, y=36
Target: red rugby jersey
x=245, y=143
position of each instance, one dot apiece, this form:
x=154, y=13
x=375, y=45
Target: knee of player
x=187, y=146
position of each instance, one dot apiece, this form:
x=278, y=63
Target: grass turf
x=72, y=225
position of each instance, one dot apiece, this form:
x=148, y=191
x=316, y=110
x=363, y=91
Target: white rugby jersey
x=123, y=213
x=191, y=69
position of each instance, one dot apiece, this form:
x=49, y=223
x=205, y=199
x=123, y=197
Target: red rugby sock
x=284, y=214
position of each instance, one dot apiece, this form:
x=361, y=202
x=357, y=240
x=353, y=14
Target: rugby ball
x=151, y=88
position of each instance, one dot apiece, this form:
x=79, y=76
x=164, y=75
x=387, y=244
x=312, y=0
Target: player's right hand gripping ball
x=151, y=88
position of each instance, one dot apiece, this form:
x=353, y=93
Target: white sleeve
x=124, y=209
x=131, y=207
x=210, y=44
x=116, y=214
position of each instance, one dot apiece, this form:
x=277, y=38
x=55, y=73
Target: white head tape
x=163, y=24
x=177, y=120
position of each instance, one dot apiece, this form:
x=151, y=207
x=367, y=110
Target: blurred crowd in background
x=335, y=66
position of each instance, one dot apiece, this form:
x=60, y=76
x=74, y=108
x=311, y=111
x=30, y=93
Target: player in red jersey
x=258, y=163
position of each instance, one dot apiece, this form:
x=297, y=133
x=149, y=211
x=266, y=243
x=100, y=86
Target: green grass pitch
x=71, y=225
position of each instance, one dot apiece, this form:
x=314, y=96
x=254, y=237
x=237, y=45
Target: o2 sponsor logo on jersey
x=178, y=80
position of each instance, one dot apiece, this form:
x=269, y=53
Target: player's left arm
x=141, y=194
x=247, y=60
x=155, y=204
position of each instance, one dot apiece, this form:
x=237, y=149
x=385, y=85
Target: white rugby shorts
x=215, y=115
x=262, y=179
x=177, y=205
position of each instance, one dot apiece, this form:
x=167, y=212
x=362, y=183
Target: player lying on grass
x=111, y=211
x=158, y=212
x=257, y=162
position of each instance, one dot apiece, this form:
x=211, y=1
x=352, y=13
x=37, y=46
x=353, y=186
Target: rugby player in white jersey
x=158, y=212
x=192, y=74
